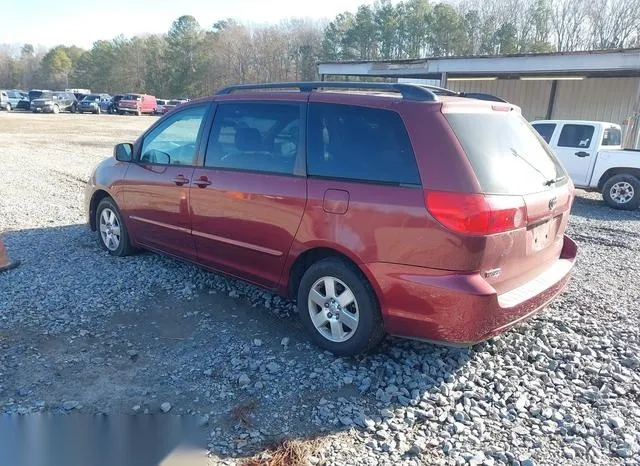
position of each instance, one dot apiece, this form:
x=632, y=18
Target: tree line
x=190, y=60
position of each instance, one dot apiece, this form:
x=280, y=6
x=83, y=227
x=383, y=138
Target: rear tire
x=112, y=232
x=622, y=192
x=333, y=298
x=8, y=108
x=56, y=109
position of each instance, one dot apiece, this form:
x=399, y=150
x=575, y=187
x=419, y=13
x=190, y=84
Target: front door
x=576, y=147
x=156, y=193
x=248, y=199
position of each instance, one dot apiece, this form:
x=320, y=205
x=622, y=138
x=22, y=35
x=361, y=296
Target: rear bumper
x=462, y=309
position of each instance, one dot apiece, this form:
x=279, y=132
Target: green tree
x=338, y=43
x=362, y=34
x=505, y=39
x=183, y=40
x=56, y=66
x=387, y=24
x=414, y=20
x=446, y=34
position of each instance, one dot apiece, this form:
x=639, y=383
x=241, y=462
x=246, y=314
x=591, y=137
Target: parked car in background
x=138, y=104
x=13, y=99
x=592, y=154
x=161, y=108
x=94, y=103
x=79, y=96
x=36, y=93
x=113, y=106
x=79, y=91
x=417, y=213
x=173, y=103
x=54, y=102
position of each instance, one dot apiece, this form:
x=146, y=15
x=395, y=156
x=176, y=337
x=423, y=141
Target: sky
x=82, y=22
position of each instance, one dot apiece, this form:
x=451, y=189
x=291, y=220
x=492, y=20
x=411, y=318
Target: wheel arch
x=96, y=197
x=617, y=171
x=317, y=253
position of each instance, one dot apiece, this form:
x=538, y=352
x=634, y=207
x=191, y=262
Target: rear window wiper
x=554, y=180
x=548, y=181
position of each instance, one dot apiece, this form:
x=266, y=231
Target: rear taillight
x=477, y=214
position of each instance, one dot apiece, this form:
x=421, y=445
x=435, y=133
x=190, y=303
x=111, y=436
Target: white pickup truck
x=592, y=154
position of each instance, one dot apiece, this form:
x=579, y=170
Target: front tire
x=112, y=232
x=8, y=108
x=56, y=109
x=622, y=192
x=338, y=308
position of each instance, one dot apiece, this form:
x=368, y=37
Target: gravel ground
x=82, y=331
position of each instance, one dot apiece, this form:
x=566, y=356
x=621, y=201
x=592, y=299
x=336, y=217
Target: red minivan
x=138, y=104
x=380, y=208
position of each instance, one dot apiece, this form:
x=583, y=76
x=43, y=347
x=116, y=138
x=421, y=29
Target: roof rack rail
x=408, y=91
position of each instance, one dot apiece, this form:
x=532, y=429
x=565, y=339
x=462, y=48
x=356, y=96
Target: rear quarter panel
x=609, y=159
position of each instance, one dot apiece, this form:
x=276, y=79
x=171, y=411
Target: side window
x=174, y=142
x=612, y=136
x=545, y=130
x=260, y=137
x=578, y=136
x=360, y=144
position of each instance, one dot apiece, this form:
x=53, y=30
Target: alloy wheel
x=333, y=309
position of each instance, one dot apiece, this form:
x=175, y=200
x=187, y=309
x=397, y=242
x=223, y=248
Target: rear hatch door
x=514, y=166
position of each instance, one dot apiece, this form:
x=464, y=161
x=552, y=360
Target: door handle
x=180, y=180
x=202, y=183
x=582, y=154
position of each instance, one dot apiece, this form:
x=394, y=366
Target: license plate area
x=543, y=234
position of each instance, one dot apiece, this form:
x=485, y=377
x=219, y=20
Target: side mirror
x=123, y=152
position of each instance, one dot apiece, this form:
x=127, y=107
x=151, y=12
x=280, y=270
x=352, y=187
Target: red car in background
x=399, y=208
x=138, y=104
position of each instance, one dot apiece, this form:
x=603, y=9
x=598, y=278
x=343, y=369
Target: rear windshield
x=507, y=154
x=131, y=97
x=612, y=136
x=34, y=94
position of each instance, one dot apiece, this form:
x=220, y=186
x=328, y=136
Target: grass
x=292, y=452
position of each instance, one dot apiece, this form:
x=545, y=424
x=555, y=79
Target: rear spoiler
x=482, y=96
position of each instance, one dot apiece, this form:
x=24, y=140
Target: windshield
x=174, y=102
x=45, y=95
x=507, y=154
x=91, y=98
x=131, y=97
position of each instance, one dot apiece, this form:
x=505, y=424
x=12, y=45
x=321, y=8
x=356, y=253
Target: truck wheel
x=622, y=192
x=8, y=108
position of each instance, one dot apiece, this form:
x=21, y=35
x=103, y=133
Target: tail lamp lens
x=477, y=214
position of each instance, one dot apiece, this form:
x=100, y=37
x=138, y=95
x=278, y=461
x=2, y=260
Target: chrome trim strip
x=242, y=244
x=160, y=224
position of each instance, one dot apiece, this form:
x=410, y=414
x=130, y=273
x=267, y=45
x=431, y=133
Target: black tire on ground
x=8, y=108
x=56, y=109
x=618, y=188
x=139, y=112
x=124, y=248
x=369, y=332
